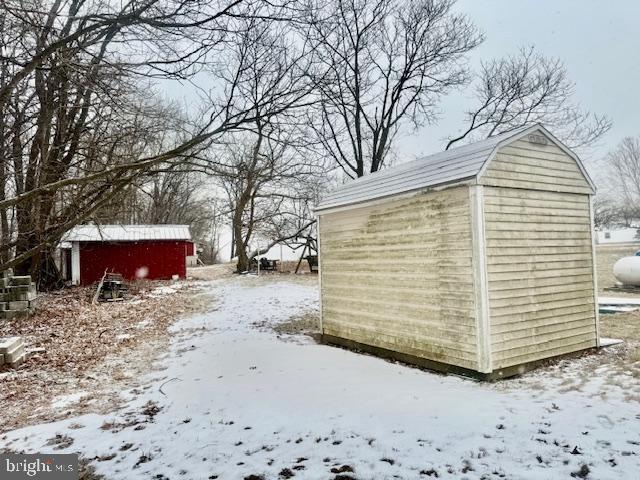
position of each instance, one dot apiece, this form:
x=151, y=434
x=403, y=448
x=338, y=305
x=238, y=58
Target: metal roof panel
x=445, y=168
x=126, y=233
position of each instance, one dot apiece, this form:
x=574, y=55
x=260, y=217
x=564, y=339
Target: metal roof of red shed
x=126, y=233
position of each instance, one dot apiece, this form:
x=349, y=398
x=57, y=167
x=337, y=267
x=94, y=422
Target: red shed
x=136, y=251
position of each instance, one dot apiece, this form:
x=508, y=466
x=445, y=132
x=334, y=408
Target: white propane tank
x=627, y=270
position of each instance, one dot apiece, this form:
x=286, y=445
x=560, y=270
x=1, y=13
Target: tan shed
x=478, y=260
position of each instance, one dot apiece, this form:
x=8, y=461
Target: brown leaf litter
x=90, y=352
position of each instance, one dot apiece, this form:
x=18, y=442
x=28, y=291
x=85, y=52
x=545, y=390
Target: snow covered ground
x=237, y=401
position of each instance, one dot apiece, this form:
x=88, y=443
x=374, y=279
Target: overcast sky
x=598, y=41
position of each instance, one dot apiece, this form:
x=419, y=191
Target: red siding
x=191, y=249
x=162, y=258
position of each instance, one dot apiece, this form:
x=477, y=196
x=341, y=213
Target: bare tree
x=606, y=211
x=176, y=195
x=73, y=90
x=525, y=89
x=623, y=184
x=383, y=63
x=267, y=180
x=267, y=167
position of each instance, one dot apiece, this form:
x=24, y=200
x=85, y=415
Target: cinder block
x=10, y=343
x=20, y=280
x=11, y=314
x=22, y=289
x=18, y=362
x=19, y=305
x=15, y=355
x=23, y=296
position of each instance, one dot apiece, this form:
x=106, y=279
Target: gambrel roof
x=458, y=165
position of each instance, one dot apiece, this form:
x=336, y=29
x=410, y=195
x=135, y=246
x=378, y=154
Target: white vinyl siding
x=540, y=272
x=398, y=275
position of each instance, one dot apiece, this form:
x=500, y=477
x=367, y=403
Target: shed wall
x=398, y=275
x=163, y=258
x=531, y=166
x=540, y=274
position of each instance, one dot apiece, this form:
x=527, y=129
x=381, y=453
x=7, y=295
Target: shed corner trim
x=480, y=278
x=594, y=270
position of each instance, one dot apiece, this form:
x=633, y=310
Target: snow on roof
x=124, y=233
x=445, y=168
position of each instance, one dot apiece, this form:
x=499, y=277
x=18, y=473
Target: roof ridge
x=446, y=167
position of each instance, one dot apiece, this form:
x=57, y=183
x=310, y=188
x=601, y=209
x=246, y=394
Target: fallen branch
x=97, y=294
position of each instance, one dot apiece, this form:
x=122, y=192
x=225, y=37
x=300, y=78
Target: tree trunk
x=241, y=250
x=239, y=239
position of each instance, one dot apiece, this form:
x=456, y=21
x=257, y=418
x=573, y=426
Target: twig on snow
x=170, y=380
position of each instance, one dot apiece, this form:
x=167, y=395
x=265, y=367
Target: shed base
x=445, y=367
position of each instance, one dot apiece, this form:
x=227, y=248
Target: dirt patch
x=305, y=324
x=83, y=355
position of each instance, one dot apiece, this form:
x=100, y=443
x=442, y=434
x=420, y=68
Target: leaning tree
x=75, y=76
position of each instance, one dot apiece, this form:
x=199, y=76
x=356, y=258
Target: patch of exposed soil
x=305, y=324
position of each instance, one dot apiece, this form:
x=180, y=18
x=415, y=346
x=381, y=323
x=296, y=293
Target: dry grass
x=97, y=350
x=211, y=272
x=221, y=270
x=627, y=327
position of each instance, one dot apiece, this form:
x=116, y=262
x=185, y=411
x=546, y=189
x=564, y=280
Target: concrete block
x=14, y=355
x=23, y=296
x=22, y=289
x=11, y=314
x=18, y=362
x=19, y=305
x=10, y=343
x=21, y=280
